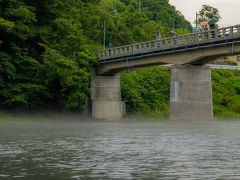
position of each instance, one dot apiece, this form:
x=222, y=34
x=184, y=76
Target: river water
x=120, y=150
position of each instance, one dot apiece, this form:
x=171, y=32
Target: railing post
x=172, y=41
x=105, y=53
x=145, y=46
x=184, y=39
x=224, y=32
x=238, y=29
x=190, y=38
x=149, y=45
x=177, y=40
x=140, y=47
x=166, y=42
x=231, y=31
x=110, y=52
x=116, y=51
x=216, y=34
x=209, y=34
x=125, y=49
x=120, y=51
x=196, y=36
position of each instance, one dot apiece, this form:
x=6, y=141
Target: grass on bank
x=8, y=118
x=131, y=116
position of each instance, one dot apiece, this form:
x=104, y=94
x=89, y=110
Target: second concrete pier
x=191, y=93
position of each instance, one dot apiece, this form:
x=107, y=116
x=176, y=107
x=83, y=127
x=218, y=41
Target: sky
x=229, y=9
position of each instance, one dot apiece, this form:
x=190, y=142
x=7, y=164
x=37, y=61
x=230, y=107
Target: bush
x=147, y=91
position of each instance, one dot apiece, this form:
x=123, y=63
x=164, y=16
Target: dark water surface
x=120, y=150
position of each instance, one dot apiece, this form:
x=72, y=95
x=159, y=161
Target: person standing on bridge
x=205, y=29
x=174, y=37
x=212, y=27
x=110, y=46
x=158, y=38
x=212, y=24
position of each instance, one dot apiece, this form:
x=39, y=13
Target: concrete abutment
x=106, y=98
x=191, y=93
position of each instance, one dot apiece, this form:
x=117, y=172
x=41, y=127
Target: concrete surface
x=191, y=93
x=197, y=56
x=106, y=98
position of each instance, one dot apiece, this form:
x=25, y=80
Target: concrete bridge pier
x=191, y=93
x=106, y=98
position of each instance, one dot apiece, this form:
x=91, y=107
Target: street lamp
x=197, y=19
x=104, y=30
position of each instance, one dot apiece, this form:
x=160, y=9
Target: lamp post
x=196, y=19
x=104, y=24
x=104, y=33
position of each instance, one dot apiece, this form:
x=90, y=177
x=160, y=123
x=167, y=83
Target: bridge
x=191, y=90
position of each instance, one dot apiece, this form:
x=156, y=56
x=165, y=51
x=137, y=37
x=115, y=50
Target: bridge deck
x=222, y=36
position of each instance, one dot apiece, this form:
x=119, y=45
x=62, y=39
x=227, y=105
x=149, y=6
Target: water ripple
x=123, y=150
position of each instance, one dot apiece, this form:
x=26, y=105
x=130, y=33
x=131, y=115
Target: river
x=120, y=150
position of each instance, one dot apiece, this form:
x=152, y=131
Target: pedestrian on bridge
x=174, y=37
x=110, y=46
x=158, y=38
x=205, y=29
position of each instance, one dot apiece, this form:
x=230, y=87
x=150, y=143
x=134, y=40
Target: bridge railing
x=171, y=42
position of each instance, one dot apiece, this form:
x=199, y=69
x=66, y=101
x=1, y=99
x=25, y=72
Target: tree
x=207, y=13
x=48, y=47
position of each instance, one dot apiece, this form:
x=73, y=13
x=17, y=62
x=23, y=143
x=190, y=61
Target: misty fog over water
x=120, y=150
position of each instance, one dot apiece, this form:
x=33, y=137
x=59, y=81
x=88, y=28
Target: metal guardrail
x=172, y=42
x=214, y=66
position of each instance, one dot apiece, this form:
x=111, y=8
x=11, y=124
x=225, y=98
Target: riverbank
x=75, y=118
x=40, y=117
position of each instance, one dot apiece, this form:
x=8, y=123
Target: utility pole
x=196, y=19
x=104, y=34
x=104, y=28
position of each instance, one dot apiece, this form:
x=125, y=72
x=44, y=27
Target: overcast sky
x=229, y=9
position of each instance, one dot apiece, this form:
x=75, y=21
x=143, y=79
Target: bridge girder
x=195, y=57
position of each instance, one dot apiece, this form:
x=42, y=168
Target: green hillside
x=47, y=46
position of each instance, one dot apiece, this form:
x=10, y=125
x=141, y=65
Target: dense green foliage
x=226, y=92
x=46, y=47
x=46, y=53
x=208, y=12
x=147, y=91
